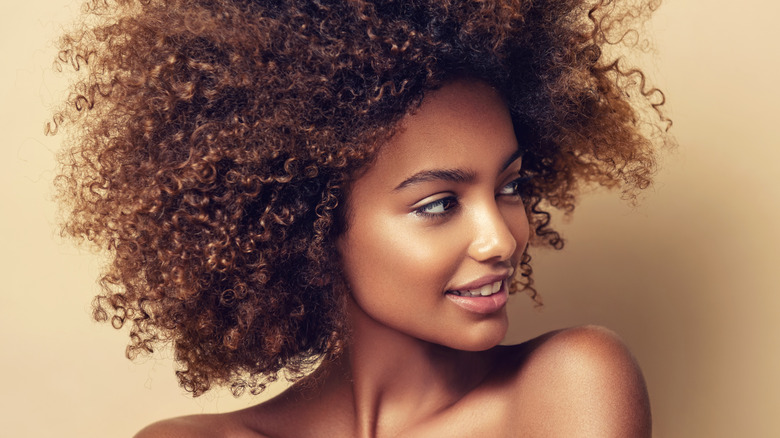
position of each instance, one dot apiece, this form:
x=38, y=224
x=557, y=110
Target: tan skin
x=439, y=212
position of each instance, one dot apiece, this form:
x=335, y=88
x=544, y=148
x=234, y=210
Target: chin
x=484, y=336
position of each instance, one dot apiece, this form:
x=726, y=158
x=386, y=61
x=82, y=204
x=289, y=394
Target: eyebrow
x=452, y=175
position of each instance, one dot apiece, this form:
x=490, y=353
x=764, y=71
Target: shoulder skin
x=581, y=382
x=575, y=383
x=199, y=426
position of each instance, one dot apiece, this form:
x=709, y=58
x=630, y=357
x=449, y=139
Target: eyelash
x=520, y=186
x=518, y=189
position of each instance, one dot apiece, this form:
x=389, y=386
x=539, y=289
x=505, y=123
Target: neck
x=397, y=380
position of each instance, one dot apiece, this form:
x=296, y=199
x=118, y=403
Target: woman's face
x=436, y=224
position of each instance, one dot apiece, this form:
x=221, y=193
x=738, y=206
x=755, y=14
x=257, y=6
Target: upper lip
x=482, y=281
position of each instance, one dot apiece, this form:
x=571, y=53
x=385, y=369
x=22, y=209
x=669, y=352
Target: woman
x=344, y=192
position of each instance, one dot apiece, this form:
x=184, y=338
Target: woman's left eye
x=439, y=207
x=514, y=188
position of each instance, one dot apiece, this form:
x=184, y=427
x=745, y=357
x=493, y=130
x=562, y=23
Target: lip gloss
x=482, y=305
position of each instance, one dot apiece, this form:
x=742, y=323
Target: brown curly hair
x=216, y=140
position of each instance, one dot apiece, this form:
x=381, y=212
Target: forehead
x=459, y=126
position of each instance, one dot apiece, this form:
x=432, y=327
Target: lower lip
x=482, y=305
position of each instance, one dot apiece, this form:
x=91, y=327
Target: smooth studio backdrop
x=688, y=278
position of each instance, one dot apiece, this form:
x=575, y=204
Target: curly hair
x=215, y=142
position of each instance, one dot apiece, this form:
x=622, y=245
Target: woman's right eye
x=437, y=208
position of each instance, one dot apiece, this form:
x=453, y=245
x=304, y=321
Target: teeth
x=484, y=291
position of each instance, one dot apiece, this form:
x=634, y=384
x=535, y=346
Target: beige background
x=688, y=278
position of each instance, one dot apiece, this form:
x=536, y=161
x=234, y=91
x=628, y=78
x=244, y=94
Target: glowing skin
x=440, y=212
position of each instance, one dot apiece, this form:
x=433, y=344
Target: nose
x=493, y=238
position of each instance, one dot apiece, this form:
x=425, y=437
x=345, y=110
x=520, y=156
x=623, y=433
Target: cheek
x=521, y=230
x=390, y=254
x=516, y=221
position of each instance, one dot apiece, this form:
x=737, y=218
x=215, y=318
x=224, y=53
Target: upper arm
x=583, y=382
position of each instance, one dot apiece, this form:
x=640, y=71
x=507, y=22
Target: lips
x=485, y=296
x=482, y=287
x=479, y=304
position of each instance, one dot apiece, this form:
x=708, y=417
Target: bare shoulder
x=200, y=426
x=581, y=382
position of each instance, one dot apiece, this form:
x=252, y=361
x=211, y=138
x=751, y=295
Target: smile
x=484, y=291
x=485, y=300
